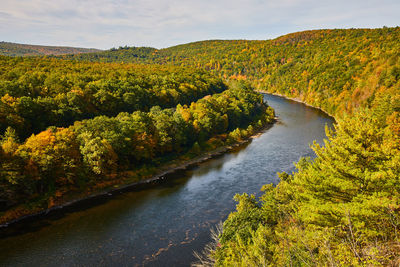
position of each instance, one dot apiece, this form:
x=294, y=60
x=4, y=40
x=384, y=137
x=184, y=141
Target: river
x=164, y=224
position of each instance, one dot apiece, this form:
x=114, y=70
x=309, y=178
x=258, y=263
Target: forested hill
x=338, y=70
x=121, y=54
x=37, y=93
x=14, y=49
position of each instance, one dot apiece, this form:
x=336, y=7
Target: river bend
x=163, y=225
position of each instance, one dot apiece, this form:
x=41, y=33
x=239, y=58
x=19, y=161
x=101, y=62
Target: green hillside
x=14, y=49
x=331, y=69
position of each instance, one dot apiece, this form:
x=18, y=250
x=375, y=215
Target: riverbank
x=115, y=189
x=296, y=99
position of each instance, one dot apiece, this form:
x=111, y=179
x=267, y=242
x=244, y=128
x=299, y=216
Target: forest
x=336, y=70
x=340, y=209
x=71, y=128
x=14, y=49
x=38, y=93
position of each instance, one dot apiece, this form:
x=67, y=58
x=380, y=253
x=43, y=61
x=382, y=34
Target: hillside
x=331, y=69
x=14, y=49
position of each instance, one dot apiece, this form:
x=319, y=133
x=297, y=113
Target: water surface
x=163, y=225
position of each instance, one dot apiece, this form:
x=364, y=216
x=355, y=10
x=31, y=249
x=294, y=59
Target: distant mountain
x=121, y=54
x=14, y=49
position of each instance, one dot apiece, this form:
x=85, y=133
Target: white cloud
x=161, y=23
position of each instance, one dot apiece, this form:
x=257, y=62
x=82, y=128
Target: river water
x=164, y=224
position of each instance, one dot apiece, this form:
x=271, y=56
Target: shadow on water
x=162, y=224
x=172, y=182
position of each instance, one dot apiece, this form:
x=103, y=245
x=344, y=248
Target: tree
x=98, y=154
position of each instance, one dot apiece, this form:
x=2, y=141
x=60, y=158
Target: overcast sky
x=161, y=23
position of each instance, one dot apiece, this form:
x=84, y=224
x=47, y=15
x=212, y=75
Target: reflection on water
x=162, y=225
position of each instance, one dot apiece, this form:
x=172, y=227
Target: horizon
x=105, y=24
x=101, y=49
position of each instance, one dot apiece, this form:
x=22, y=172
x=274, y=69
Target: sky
x=105, y=24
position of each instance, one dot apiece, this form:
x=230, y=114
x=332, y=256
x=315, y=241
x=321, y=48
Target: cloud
x=162, y=23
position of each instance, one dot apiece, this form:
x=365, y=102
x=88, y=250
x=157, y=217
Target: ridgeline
x=14, y=49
